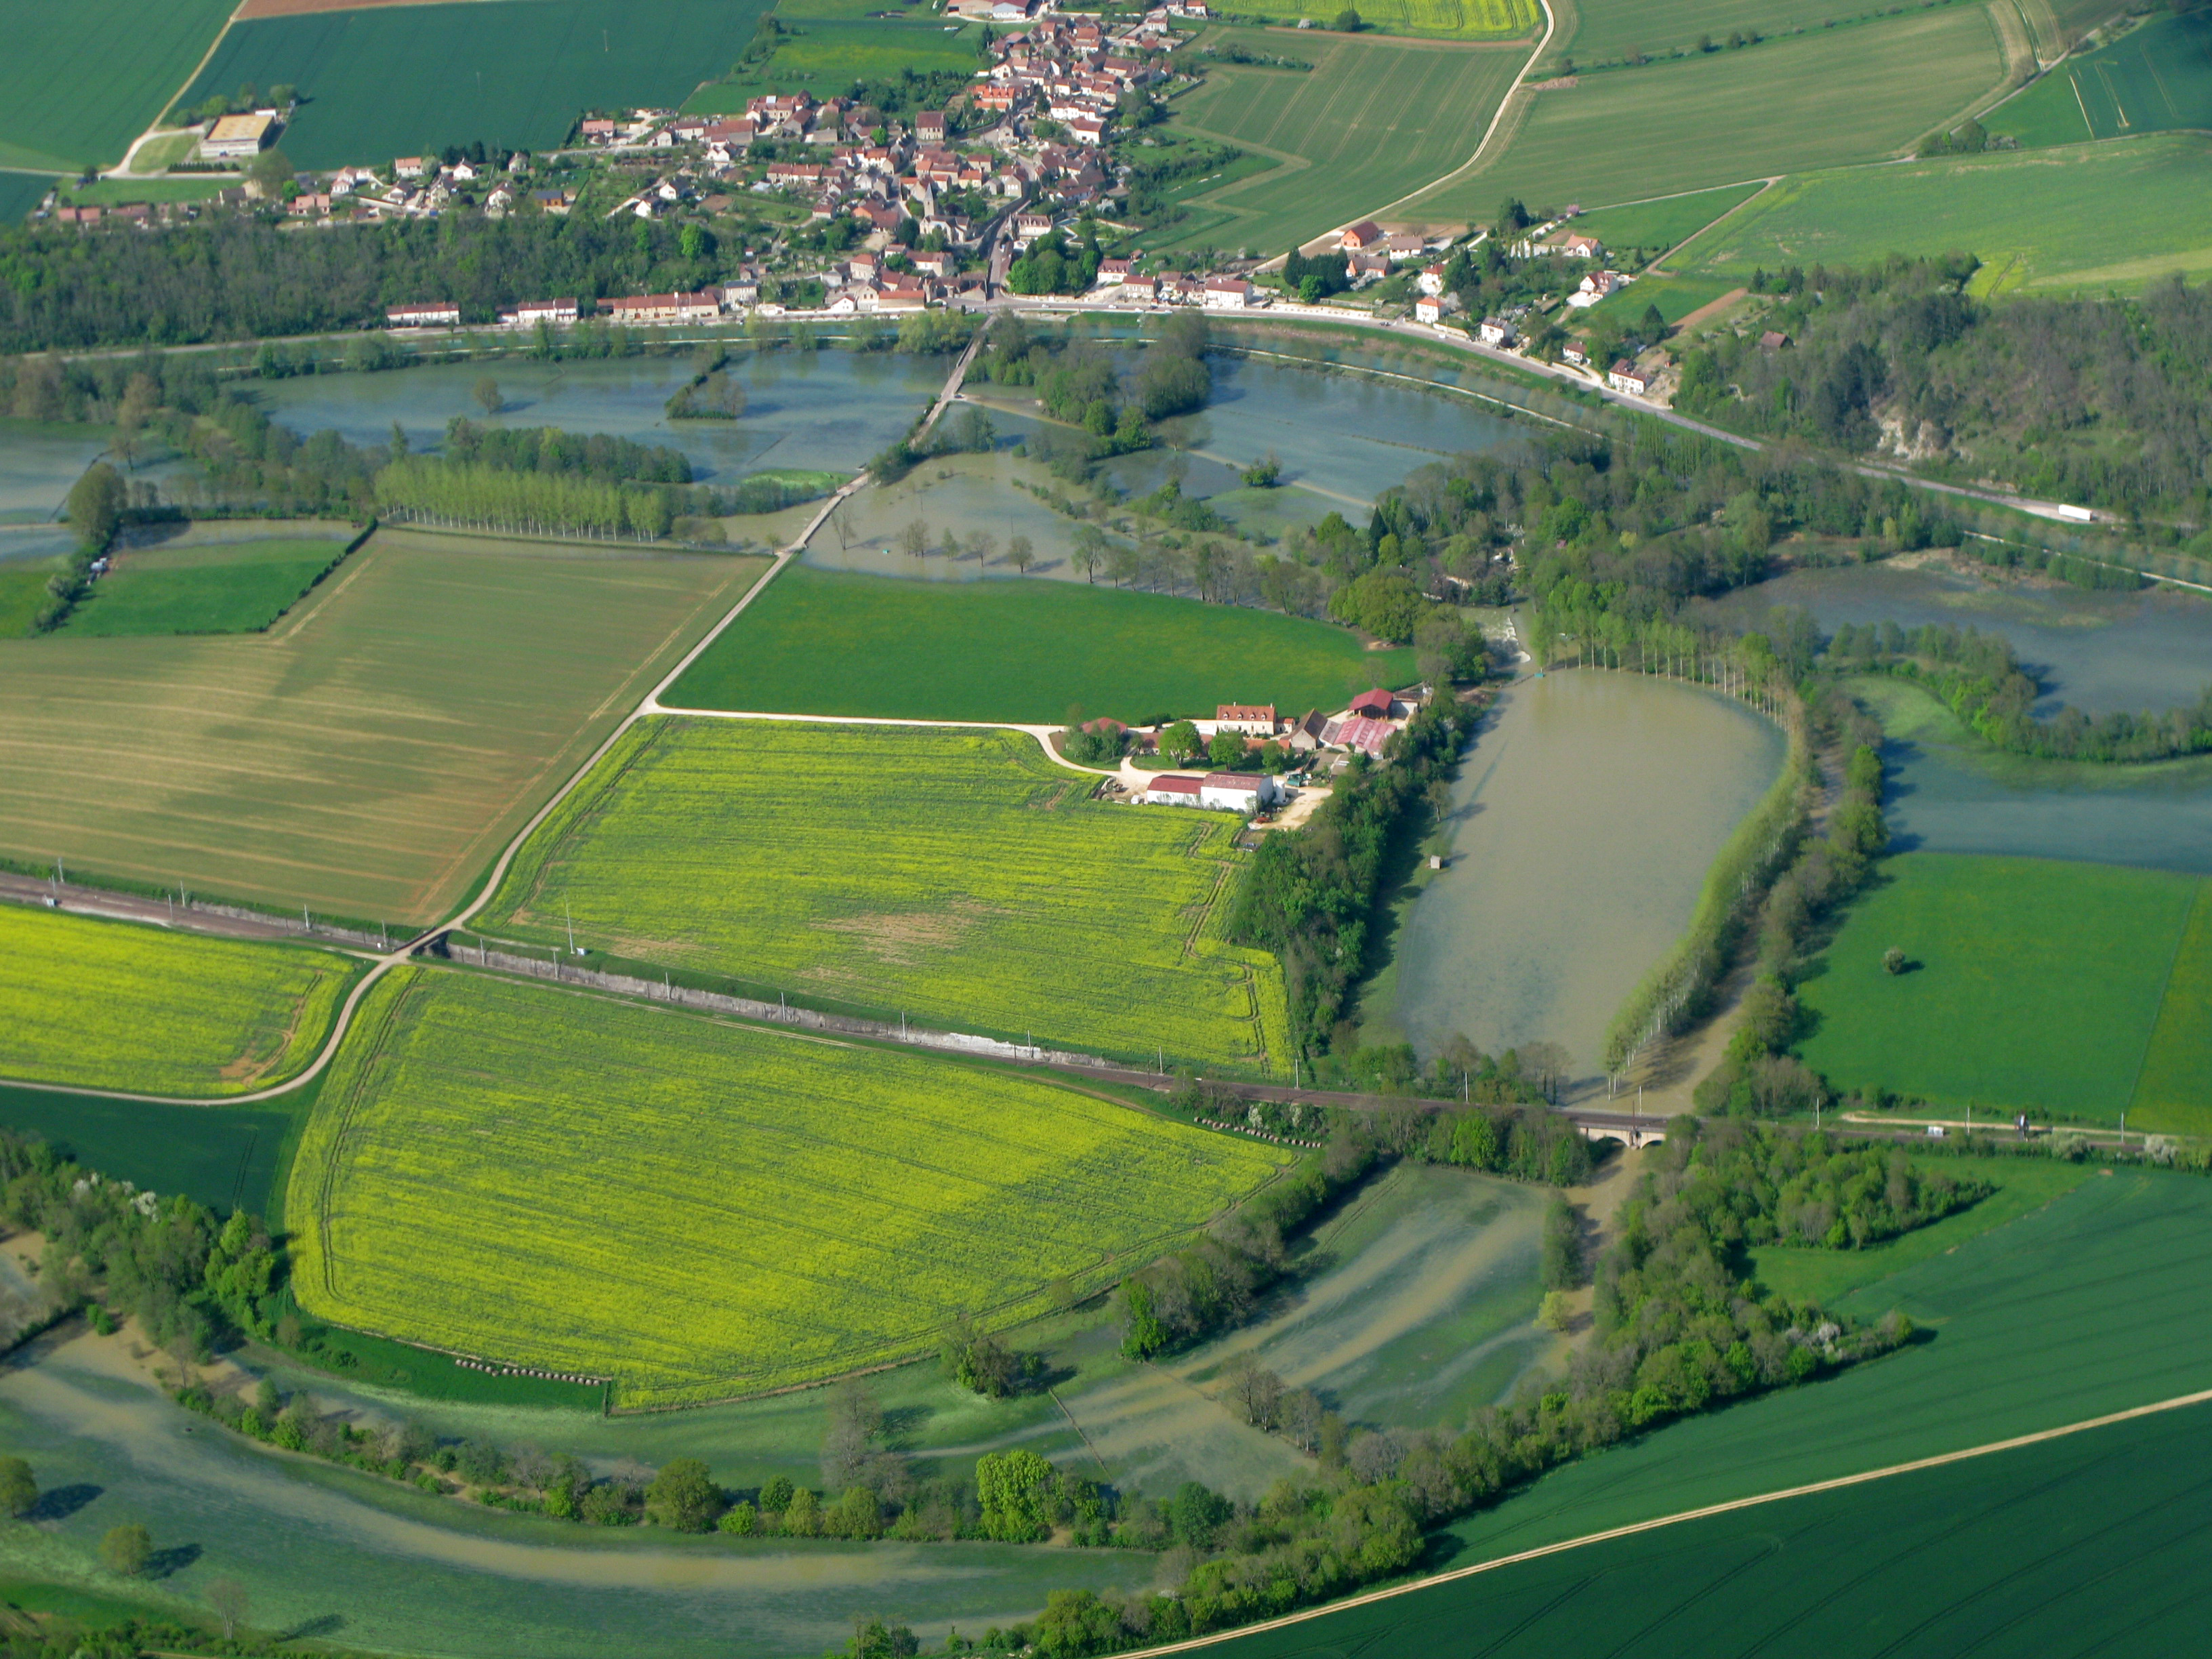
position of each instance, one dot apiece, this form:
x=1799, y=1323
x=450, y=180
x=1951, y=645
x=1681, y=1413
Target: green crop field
x=370, y=754
x=1804, y=101
x=2037, y=220
x=1659, y=225
x=110, y=1005
x=2038, y=987
x=1451, y=20
x=393, y=80
x=79, y=81
x=221, y=1155
x=825, y=56
x=1374, y=119
x=2043, y=1549
x=2174, y=1090
x=19, y=192
x=23, y=592
x=702, y=1210
x=827, y=642
x=959, y=877
x=228, y=587
x=1611, y=30
x=2155, y=80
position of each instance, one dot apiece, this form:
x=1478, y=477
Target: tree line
x=2094, y=401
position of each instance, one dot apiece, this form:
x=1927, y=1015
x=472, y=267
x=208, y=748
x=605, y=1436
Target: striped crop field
x=110, y=1005
x=958, y=878
x=701, y=1210
x=1457, y=20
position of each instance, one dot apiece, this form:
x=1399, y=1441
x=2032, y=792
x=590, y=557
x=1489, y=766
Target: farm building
x=1305, y=736
x=1249, y=720
x=1364, y=734
x=1374, y=705
x=1171, y=789
x=428, y=316
x=1237, y=792
x=239, y=137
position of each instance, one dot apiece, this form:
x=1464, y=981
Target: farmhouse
x=1364, y=235
x=239, y=137
x=1625, y=376
x=1249, y=720
x=426, y=316
x=1171, y=789
x=1235, y=792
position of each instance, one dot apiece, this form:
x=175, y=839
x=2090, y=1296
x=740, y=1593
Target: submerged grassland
x=701, y=1210
x=115, y=1006
x=959, y=877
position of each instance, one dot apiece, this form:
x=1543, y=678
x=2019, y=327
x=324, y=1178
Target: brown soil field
x=252, y=9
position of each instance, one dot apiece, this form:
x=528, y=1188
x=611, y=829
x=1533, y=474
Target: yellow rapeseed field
x=959, y=877
x=112, y=1004
x=700, y=1209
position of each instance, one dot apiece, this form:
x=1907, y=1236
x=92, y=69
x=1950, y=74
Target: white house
x=1237, y=792
x=1575, y=355
x=546, y=310
x=1431, y=279
x=1428, y=308
x=1625, y=376
x=426, y=316
x=1227, y=293
x=1495, y=331
x=1247, y=719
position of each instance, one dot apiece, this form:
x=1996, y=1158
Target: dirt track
x=252, y=9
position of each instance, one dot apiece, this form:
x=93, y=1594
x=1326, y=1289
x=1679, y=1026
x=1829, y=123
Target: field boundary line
x=2176, y=1403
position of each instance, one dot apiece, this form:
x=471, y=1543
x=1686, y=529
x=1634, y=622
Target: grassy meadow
x=369, y=754
x=1804, y=101
x=1664, y=223
x=2156, y=79
x=111, y=1004
x=2039, y=986
x=1374, y=119
x=220, y=1155
x=959, y=877
x=825, y=55
x=215, y=587
x=1611, y=30
x=79, y=81
x=826, y=642
x=701, y=1209
x=2038, y=219
x=392, y=80
x=19, y=192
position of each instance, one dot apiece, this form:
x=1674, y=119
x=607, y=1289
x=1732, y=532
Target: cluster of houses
x=1364, y=727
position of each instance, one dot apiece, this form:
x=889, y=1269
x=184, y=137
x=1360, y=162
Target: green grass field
x=1663, y=224
x=958, y=878
x=1675, y=297
x=110, y=192
x=1374, y=119
x=703, y=1210
x=825, y=56
x=1806, y=101
x=2039, y=986
x=394, y=80
x=111, y=1004
x=367, y=755
x=2155, y=80
x=2039, y=219
x=1611, y=30
x=226, y=587
x=78, y=82
x=1449, y=20
x=2173, y=1090
x=23, y=594
x=827, y=642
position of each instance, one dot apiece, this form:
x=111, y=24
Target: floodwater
x=325, y=1552
x=2099, y=652
x=39, y=462
x=826, y=410
x=1584, y=820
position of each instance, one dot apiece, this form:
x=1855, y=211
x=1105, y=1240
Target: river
x=1583, y=822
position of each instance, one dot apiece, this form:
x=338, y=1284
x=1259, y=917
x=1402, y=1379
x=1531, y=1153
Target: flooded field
x=39, y=462
x=827, y=409
x=1584, y=819
x=2099, y=652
